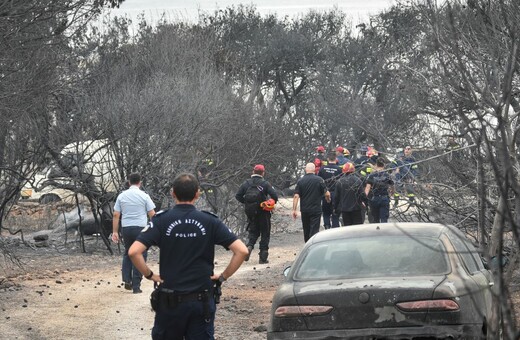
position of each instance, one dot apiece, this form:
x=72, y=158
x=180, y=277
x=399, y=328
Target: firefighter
x=340, y=156
x=319, y=159
x=405, y=173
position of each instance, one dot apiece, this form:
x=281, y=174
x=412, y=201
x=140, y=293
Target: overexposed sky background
x=185, y=10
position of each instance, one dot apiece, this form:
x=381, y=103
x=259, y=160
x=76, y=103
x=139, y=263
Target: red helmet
x=268, y=205
x=320, y=148
x=348, y=168
x=339, y=149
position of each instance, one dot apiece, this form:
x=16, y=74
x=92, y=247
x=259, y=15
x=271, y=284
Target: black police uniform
x=330, y=174
x=380, y=182
x=187, y=239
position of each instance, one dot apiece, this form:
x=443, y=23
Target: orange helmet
x=268, y=205
x=348, y=168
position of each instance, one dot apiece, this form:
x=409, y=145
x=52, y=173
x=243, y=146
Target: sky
x=186, y=10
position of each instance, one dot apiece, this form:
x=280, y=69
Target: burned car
x=385, y=281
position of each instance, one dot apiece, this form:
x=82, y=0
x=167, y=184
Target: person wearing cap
x=330, y=174
x=252, y=193
x=309, y=191
x=319, y=159
x=340, y=156
x=350, y=197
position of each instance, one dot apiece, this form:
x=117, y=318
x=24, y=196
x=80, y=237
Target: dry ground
x=80, y=296
x=65, y=294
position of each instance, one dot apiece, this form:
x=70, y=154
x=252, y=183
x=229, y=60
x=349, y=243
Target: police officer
x=379, y=187
x=330, y=174
x=186, y=238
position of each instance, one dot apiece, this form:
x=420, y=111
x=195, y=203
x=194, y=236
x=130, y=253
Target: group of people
x=185, y=301
x=336, y=186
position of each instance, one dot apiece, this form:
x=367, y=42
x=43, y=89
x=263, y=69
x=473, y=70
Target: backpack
x=253, y=196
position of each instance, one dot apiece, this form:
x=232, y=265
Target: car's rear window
x=373, y=257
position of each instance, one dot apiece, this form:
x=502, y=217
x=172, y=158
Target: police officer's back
x=187, y=239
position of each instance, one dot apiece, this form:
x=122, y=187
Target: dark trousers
x=260, y=226
x=352, y=217
x=129, y=272
x=328, y=213
x=184, y=321
x=311, y=224
x=380, y=208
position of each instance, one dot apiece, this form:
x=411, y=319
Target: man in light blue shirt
x=134, y=207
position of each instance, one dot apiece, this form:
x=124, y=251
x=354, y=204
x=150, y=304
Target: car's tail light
x=293, y=311
x=428, y=305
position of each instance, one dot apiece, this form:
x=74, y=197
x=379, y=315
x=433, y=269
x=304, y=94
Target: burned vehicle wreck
x=385, y=281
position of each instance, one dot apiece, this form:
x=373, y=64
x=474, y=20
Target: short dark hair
x=331, y=156
x=258, y=172
x=185, y=187
x=134, y=178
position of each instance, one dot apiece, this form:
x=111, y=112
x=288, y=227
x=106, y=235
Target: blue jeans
x=129, y=272
x=380, y=209
x=185, y=321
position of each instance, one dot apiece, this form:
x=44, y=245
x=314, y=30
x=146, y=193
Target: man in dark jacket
x=350, y=197
x=310, y=189
x=259, y=219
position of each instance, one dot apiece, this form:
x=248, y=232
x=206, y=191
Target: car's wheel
x=49, y=198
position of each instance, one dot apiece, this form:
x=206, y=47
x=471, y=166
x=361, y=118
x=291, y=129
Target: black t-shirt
x=311, y=189
x=380, y=182
x=187, y=239
x=330, y=174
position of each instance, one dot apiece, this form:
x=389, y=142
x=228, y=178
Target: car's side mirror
x=286, y=271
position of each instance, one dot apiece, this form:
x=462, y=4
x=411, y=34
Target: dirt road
x=80, y=296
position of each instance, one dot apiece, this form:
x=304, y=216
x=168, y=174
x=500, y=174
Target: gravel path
x=80, y=296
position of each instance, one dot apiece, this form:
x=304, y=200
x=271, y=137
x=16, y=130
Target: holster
x=154, y=298
x=217, y=291
x=165, y=298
